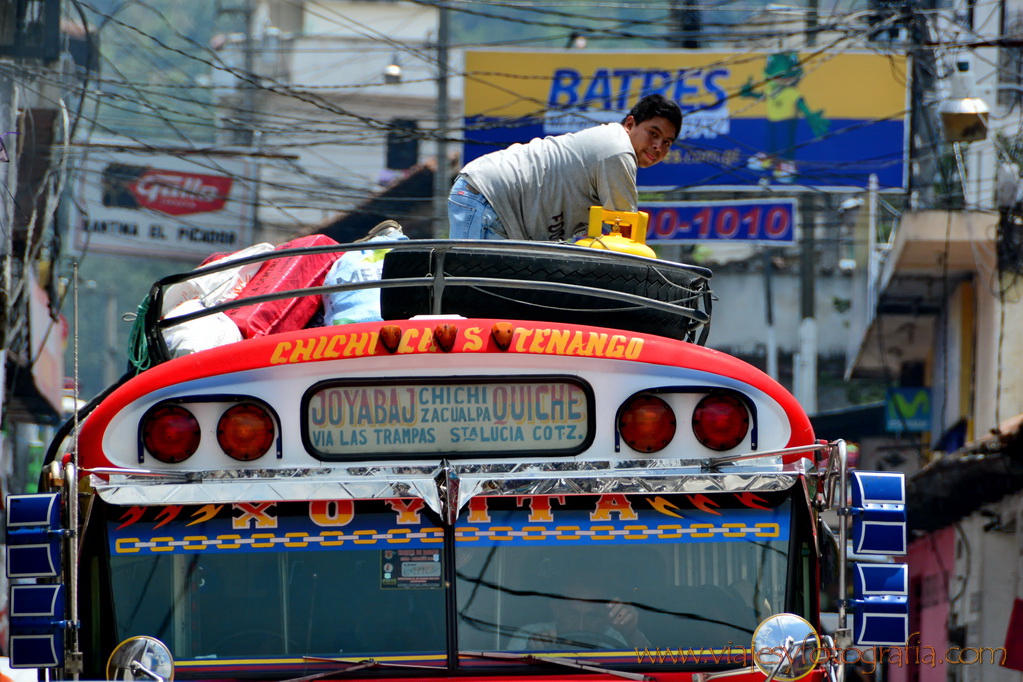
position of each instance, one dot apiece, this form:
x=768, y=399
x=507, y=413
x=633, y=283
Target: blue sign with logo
x=908, y=409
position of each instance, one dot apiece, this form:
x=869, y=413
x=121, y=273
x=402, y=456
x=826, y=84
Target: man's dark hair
x=655, y=105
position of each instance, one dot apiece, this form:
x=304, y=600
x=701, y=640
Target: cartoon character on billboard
x=785, y=103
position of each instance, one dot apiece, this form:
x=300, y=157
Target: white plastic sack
x=360, y=305
x=198, y=334
x=216, y=287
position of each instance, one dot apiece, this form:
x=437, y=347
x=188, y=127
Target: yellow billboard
x=825, y=119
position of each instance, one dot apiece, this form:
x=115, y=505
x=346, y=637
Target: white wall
x=986, y=580
x=739, y=315
x=997, y=401
x=399, y=21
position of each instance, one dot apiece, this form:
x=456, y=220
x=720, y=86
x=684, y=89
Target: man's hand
x=625, y=619
x=622, y=617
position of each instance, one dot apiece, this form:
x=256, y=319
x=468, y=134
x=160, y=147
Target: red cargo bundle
x=283, y=274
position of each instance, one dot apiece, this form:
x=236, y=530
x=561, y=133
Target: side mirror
x=786, y=647
x=141, y=658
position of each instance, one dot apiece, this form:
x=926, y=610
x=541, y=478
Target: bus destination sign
x=344, y=419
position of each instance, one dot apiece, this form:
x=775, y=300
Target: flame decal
x=171, y=512
x=663, y=506
x=750, y=500
x=205, y=513
x=704, y=503
x=133, y=515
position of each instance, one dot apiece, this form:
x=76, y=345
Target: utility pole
x=112, y=358
x=248, y=87
x=9, y=170
x=812, y=12
x=772, y=337
x=441, y=185
x=925, y=139
x=805, y=370
x=242, y=133
x=689, y=24
x=9, y=179
x=245, y=133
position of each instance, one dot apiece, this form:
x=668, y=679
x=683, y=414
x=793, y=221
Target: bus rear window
x=606, y=573
x=279, y=579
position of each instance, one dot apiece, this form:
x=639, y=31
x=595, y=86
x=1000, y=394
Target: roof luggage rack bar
x=438, y=282
x=691, y=313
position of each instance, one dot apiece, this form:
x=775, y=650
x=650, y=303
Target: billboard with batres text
x=751, y=119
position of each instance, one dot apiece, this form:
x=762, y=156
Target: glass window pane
x=576, y=576
x=302, y=581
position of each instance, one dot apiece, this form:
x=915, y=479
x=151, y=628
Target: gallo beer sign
x=165, y=191
x=162, y=205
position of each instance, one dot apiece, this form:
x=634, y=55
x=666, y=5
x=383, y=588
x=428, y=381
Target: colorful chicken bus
x=530, y=467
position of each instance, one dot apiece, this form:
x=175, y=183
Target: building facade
x=345, y=93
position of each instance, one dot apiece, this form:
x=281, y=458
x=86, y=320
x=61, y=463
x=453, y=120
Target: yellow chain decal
x=632, y=531
x=193, y=543
x=403, y=536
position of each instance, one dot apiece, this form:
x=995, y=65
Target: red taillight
x=245, y=432
x=720, y=421
x=647, y=423
x=171, y=434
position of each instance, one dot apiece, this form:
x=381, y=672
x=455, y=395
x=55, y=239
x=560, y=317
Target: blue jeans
x=470, y=215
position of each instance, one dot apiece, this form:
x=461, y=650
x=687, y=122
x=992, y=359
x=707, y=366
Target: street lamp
x=963, y=116
x=965, y=119
x=392, y=72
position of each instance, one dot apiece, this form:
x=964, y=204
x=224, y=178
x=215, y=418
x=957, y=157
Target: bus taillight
x=245, y=432
x=647, y=423
x=171, y=434
x=720, y=421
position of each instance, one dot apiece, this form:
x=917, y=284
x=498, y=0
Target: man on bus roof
x=543, y=190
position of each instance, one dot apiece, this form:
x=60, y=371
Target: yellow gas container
x=628, y=231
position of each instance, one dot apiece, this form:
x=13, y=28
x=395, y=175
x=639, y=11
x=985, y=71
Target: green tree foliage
x=152, y=86
x=109, y=288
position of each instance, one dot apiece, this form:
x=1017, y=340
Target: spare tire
x=686, y=287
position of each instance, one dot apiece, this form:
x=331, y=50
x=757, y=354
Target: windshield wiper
x=540, y=659
x=355, y=664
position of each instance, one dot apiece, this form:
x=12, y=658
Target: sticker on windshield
x=406, y=568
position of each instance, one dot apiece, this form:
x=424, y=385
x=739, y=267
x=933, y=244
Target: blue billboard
x=750, y=120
